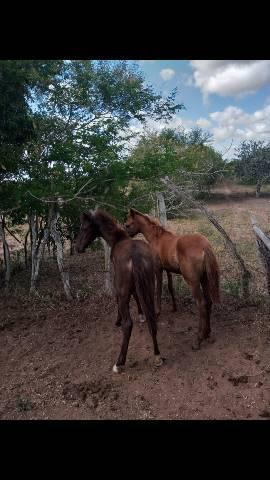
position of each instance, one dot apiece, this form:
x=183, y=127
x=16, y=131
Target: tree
x=18, y=79
x=79, y=113
x=253, y=162
x=81, y=124
x=186, y=156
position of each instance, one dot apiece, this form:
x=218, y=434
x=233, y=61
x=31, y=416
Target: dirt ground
x=56, y=358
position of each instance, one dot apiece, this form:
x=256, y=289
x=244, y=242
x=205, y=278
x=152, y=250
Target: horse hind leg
x=126, y=324
x=203, y=330
x=141, y=315
x=152, y=326
x=205, y=288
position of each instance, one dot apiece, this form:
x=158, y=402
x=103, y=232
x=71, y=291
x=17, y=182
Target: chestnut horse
x=190, y=255
x=134, y=274
x=169, y=276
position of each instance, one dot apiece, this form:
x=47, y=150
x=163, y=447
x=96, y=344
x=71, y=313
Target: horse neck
x=149, y=230
x=112, y=234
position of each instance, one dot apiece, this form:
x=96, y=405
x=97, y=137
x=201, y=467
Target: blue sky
x=229, y=98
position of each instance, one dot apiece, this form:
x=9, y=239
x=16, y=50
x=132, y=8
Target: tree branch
x=12, y=234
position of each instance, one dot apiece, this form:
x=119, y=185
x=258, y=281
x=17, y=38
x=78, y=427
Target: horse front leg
x=119, y=318
x=171, y=290
x=159, y=272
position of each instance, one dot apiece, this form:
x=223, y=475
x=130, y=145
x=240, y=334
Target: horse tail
x=144, y=280
x=212, y=272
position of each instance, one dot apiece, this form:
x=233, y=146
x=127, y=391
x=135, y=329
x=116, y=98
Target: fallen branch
x=263, y=245
x=12, y=234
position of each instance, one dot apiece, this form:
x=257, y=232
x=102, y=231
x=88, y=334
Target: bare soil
x=56, y=360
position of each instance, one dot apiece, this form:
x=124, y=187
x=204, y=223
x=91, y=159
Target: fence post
x=263, y=245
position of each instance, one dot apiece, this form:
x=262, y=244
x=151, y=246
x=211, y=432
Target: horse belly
x=172, y=266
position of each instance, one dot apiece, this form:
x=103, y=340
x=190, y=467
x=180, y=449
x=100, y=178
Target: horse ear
x=133, y=212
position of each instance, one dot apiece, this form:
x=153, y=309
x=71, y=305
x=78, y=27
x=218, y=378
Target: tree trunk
x=6, y=253
x=37, y=250
x=59, y=255
x=161, y=208
x=30, y=230
x=108, y=287
x=33, y=253
x=258, y=188
x=25, y=247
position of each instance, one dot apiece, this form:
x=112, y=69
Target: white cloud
x=167, y=74
x=233, y=117
x=230, y=77
x=235, y=124
x=203, y=123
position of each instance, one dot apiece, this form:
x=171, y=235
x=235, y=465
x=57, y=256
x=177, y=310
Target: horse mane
x=156, y=225
x=104, y=219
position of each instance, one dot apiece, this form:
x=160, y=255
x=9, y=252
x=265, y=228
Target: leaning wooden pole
x=263, y=245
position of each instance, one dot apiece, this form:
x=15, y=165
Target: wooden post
x=59, y=254
x=161, y=208
x=263, y=244
x=107, y=267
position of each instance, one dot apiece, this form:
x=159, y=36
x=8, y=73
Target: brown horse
x=134, y=274
x=190, y=255
x=169, y=276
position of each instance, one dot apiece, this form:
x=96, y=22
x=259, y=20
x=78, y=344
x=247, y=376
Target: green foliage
x=184, y=156
x=64, y=127
x=18, y=79
x=253, y=161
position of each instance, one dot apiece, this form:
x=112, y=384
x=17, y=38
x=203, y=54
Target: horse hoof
x=142, y=318
x=158, y=361
x=117, y=369
x=196, y=346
